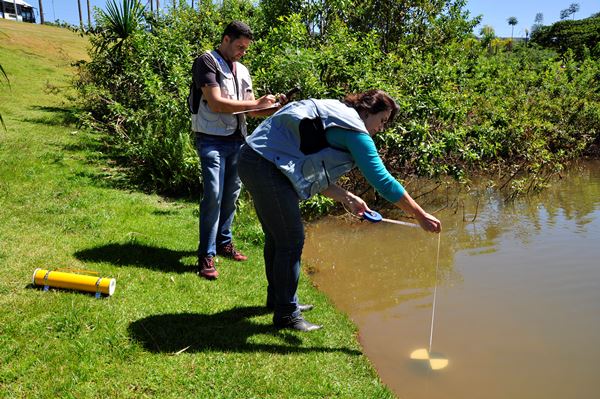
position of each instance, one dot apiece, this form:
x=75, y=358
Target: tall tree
x=512, y=21
x=538, y=22
x=573, y=9
x=80, y=15
x=41, y=12
x=89, y=12
x=487, y=35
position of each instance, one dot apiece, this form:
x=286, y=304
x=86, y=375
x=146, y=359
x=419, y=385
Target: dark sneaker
x=207, y=268
x=229, y=251
x=298, y=324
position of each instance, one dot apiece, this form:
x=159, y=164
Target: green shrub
x=580, y=36
x=464, y=108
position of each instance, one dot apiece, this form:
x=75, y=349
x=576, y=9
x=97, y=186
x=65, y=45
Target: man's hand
x=266, y=101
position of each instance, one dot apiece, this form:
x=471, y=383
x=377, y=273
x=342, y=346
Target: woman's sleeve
x=365, y=154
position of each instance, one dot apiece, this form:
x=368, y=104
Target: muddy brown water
x=518, y=300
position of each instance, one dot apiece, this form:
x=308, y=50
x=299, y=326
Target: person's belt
x=235, y=136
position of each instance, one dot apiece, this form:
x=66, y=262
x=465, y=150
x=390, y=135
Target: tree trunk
x=80, y=16
x=16, y=12
x=89, y=15
x=41, y=12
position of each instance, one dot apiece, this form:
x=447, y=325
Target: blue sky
x=495, y=12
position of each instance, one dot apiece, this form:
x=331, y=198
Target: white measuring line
x=400, y=222
x=437, y=263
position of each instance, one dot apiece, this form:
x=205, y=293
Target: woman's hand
x=426, y=221
x=429, y=223
x=356, y=204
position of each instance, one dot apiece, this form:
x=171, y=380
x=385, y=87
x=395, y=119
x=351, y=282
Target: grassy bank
x=165, y=332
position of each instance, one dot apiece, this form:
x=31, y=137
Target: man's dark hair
x=237, y=29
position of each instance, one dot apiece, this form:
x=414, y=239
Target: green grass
x=60, y=206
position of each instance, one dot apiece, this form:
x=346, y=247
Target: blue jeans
x=221, y=189
x=278, y=209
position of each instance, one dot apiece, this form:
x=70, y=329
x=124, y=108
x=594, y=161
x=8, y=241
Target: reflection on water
x=518, y=306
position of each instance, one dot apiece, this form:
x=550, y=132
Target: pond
x=517, y=312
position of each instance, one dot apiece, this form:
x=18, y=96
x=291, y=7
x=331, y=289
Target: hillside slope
x=165, y=332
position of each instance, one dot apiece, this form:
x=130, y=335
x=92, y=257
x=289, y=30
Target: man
x=221, y=87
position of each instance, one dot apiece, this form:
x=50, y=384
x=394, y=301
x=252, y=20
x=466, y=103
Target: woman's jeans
x=221, y=184
x=278, y=209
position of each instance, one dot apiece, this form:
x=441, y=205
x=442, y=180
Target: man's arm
x=216, y=103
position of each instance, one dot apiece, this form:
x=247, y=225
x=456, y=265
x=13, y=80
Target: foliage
x=413, y=23
x=119, y=21
x=138, y=94
x=467, y=106
x=580, y=36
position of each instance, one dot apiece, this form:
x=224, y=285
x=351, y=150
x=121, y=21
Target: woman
x=300, y=151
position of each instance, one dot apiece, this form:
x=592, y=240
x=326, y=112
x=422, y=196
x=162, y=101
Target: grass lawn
x=165, y=332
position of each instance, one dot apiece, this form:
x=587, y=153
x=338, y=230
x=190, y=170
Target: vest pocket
x=314, y=172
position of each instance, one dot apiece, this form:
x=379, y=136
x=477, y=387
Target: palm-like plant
x=121, y=20
x=487, y=35
x=512, y=21
x=3, y=72
x=5, y=77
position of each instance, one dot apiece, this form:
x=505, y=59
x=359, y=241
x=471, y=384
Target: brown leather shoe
x=229, y=251
x=207, y=268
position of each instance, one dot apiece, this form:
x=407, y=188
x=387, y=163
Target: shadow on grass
x=227, y=331
x=56, y=116
x=140, y=255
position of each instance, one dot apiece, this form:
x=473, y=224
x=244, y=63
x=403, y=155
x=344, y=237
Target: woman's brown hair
x=372, y=102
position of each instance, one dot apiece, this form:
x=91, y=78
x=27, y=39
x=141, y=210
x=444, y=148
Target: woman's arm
x=426, y=221
x=364, y=152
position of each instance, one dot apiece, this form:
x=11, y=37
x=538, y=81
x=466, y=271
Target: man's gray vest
x=219, y=123
x=277, y=139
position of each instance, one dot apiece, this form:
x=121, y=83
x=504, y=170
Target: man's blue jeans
x=278, y=209
x=221, y=188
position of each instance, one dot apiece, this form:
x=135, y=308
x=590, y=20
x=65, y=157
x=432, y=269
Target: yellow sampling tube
x=74, y=281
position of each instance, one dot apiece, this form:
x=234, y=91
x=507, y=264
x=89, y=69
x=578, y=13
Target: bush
x=581, y=36
x=465, y=108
